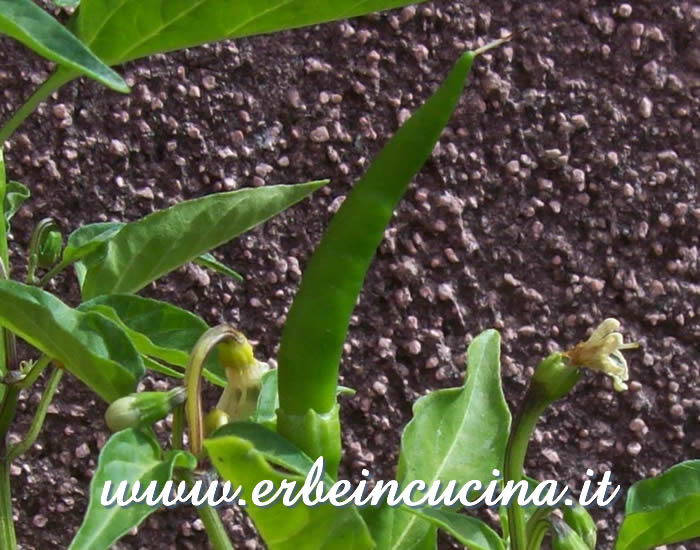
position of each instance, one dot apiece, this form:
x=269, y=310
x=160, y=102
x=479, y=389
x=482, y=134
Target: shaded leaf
x=153, y=246
x=129, y=455
x=471, y=532
x=89, y=345
x=26, y=22
x=157, y=328
x=247, y=453
x=662, y=510
x=15, y=194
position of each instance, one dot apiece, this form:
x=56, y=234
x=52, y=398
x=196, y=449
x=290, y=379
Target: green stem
x=215, y=528
x=541, y=514
x=7, y=524
x=212, y=522
x=539, y=531
x=39, y=417
x=60, y=266
x=516, y=450
x=50, y=85
x=33, y=375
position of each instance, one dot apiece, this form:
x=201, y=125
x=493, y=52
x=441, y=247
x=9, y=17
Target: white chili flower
x=602, y=351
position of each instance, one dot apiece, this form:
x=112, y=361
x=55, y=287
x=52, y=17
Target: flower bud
x=244, y=374
x=565, y=538
x=142, y=409
x=50, y=249
x=214, y=420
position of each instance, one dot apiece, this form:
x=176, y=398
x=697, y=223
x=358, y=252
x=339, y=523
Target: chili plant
x=270, y=425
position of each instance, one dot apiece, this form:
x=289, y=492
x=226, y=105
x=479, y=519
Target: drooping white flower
x=602, y=351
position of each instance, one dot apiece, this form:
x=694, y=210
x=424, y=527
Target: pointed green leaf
x=268, y=401
x=247, y=453
x=15, y=194
x=23, y=20
x=209, y=261
x=129, y=455
x=153, y=246
x=88, y=238
x=471, y=532
x=662, y=510
x=89, y=345
x=157, y=329
x=166, y=25
x=446, y=439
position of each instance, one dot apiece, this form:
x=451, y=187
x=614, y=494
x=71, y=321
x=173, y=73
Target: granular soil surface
x=563, y=191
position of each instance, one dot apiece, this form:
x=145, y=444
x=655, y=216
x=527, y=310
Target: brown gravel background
x=563, y=191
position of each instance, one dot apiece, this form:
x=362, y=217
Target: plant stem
x=215, y=528
x=39, y=416
x=50, y=85
x=212, y=522
x=7, y=524
x=538, y=533
x=60, y=266
x=516, y=450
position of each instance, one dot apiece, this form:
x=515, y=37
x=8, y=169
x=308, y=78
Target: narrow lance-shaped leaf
x=129, y=455
x=315, y=330
x=165, y=25
x=23, y=20
x=446, y=439
x=662, y=510
x=210, y=262
x=144, y=250
x=89, y=345
x=246, y=454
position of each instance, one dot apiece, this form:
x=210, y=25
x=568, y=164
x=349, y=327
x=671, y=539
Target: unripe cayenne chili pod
x=142, y=409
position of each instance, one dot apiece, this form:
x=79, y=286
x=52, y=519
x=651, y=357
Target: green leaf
x=23, y=20
x=247, y=453
x=88, y=238
x=15, y=194
x=67, y=3
x=166, y=25
x=209, y=261
x=129, y=455
x=469, y=531
x=317, y=323
x=157, y=328
x=662, y=510
x=153, y=246
x=89, y=345
x=268, y=401
x=446, y=439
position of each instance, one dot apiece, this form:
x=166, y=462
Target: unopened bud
x=50, y=249
x=142, y=409
x=214, y=420
x=565, y=538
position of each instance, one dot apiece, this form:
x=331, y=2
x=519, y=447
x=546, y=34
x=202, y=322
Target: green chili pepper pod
x=553, y=379
x=142, y=409
x=578, y=518
x=317, y=434
x=50, y=249
x=565, y=538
